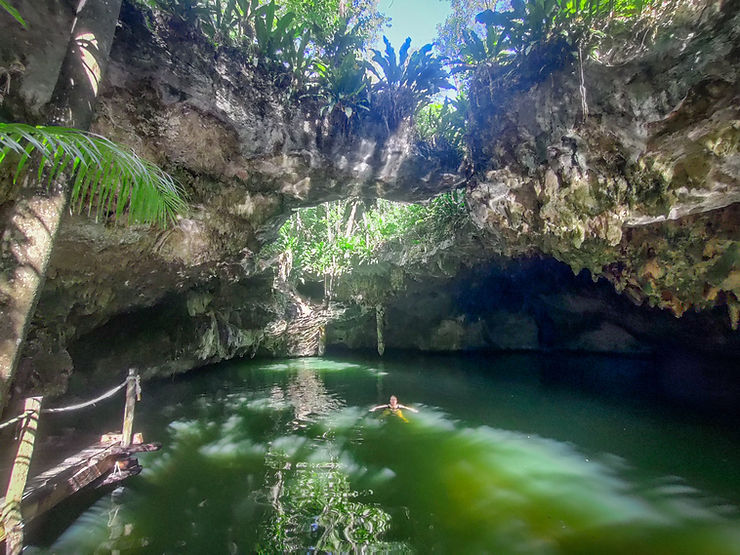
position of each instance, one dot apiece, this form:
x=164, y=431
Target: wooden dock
x=100, y=464
x=106, y=462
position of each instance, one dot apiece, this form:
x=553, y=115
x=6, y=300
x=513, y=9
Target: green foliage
x=107, y=178
x=347, y=39
x=475, y=50
x=274, y=33
x=444, y=122
x=13, y=12
x=228, y=21
x=518, y=31
x=345, y=87
x=318, y=43
x=282, y=44
x=192, y=12
x=234, y=22
x=408, y=80
x=460, y=19
x=334, y=238
x=421, y=72
x=328, y=19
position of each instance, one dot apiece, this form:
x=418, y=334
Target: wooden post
x=12, y=517
x=128, y=412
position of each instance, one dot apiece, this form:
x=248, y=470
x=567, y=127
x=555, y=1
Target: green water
x=285, y=457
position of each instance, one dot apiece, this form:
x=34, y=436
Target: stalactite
x=321, y=348
x=379, y=314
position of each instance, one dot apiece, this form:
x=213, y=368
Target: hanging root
x=582, y=88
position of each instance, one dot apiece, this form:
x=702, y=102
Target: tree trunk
x=351, y=221
x=31, y=223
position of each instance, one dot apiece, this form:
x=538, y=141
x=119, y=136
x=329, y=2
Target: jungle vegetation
x=326, y=242
x=323, y=49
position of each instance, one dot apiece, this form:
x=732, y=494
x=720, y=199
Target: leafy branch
x=107, y=178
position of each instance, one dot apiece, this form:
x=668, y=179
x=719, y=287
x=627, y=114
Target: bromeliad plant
x=282, y=44
x=407, y=81
x=229, y=21
x=344, y=88
x=274, y=33
x=106, y=178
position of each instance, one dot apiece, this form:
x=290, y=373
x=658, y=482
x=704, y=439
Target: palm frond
x=13, y=12
x=106, y=178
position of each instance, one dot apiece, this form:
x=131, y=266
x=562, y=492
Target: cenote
x=519, y=217
x=283, y=456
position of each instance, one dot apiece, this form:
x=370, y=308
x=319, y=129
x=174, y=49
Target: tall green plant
x=408, y=80
x=460, y=18
x=107, y=178
x=529, y=22
x=275, y=34
x=222, y=21
x=344, y=88
x=515, y=33
x=227, y=21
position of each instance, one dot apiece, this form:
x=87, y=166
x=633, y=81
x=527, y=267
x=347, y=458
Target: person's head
x=393, y=401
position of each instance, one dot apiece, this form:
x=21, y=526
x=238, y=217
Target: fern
x=106, y=178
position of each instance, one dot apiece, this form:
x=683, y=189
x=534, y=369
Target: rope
x=14, y=420
x=87, y=403
x=104, y=396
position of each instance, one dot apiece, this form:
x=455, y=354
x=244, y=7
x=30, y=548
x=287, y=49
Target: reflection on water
x=284, y=457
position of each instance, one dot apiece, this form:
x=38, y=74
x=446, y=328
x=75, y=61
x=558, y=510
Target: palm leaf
x=404, y=51
x=13, y=12
x=107, y=177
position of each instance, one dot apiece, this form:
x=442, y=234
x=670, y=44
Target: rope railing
x=78, y=406
x=15, y=419
x=12, y=518
x=69, y=408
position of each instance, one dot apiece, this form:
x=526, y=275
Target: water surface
x=283, y=456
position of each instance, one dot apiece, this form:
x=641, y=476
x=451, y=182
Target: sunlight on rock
x=89, y=54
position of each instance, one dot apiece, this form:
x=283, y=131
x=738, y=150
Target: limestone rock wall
x=526, y=304
x=634, y=176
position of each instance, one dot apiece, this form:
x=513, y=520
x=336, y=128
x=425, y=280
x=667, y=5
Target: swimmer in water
x=394, y=406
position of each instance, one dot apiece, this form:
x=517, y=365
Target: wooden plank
x=74, y=473
x=53, y=486
x=12, y=517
